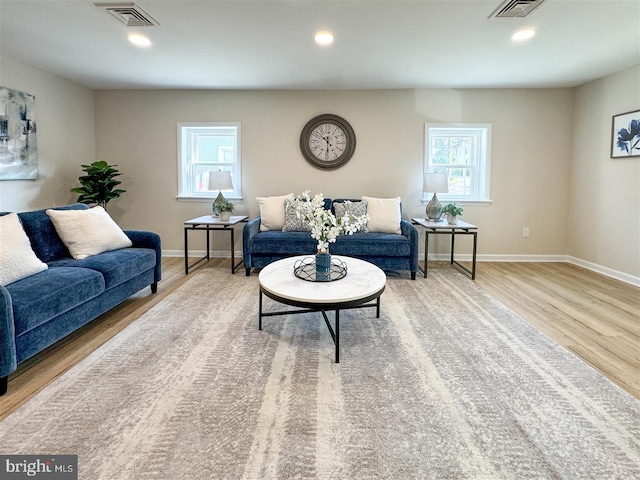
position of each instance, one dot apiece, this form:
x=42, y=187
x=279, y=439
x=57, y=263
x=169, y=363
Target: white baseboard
x=609, y=272
x=497, y=258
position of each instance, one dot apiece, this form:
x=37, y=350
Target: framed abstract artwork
x=18, y=142
x=625, y=135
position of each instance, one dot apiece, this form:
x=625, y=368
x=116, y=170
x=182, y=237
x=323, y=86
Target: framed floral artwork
x=625, y=135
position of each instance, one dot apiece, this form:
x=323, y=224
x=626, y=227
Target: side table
x=443, y=228
x=209, y=223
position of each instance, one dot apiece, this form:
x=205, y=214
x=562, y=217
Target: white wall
x=530, y=164
x=604, y=214
x=65, y=114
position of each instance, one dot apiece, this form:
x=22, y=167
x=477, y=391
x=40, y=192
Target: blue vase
x=323, y=267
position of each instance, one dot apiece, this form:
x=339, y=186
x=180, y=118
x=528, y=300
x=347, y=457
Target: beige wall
x=551, y=169
x=604, y=215
x=66, y=137
x=530, y=164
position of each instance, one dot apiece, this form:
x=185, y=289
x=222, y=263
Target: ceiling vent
x=128, y=13
x=516, y=8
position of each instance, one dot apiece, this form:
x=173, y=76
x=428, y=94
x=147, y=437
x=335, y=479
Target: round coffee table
x=363, y=284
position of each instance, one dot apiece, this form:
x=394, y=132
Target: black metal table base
x=453, y=261
x=209, y=228
x=312, y=308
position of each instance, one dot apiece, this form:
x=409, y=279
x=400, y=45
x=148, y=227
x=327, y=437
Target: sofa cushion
x=384, y=214
x=45, y=240
x=287, y=243
x=372, y=244
x=88, y=232
x=272, y=211
x=116, y=266
x=17, y=259
x=293, y=223
x=40, y=297
x=355, y=208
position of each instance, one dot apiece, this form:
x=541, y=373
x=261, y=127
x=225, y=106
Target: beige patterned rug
x=447, y=384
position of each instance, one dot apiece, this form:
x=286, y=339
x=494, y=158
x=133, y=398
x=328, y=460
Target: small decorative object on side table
x=435, y=183
x=223, y=209
x=452, y=211
x=221, y=181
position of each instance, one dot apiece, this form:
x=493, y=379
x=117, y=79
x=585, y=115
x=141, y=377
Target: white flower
x=325, y=227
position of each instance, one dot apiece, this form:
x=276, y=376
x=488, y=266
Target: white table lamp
x=221, y=181
x=435, y=183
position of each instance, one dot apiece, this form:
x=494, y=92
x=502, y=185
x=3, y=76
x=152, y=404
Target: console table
x=443, y=228
x=209, y=224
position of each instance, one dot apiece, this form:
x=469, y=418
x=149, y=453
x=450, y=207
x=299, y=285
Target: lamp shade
x=435, y=183
x=220, y=180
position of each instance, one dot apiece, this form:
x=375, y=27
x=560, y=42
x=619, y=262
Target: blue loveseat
x=388, y=251
x=39, y=310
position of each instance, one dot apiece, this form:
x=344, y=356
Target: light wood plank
x=595, y=317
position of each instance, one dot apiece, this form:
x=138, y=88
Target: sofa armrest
x=144, y=239
x=250, y=229
x=8, y=360
x=411, y=232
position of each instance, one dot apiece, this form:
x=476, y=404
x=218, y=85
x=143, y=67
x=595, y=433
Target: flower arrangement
x=325, y=227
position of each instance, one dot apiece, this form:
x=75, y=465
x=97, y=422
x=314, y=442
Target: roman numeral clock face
x=327, y=141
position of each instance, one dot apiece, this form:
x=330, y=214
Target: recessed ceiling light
x=525, y=34
x=324, y=38
x=139, y=40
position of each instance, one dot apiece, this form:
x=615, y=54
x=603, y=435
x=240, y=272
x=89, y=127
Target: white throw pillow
x=88, y=232
x=272, y=211
x=384, y=214
x=17, y=259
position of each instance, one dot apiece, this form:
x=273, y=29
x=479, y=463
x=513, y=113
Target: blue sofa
x=41, y=309
x=388, y=251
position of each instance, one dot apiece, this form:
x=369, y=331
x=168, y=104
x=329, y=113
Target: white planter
x=452, y=219
x=224, y=216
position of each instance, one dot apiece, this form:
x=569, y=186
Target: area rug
x=447, y=384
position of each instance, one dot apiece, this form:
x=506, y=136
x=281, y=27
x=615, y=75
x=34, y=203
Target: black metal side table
x=209, y=224
x=443, y=228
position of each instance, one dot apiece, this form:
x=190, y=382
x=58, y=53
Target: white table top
x=443, y=224
x=211, y=220
x=363, y=279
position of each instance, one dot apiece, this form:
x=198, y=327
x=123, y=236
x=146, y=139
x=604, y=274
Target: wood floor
x=595, y=317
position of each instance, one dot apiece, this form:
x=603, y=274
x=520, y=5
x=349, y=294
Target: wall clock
x=327, y=141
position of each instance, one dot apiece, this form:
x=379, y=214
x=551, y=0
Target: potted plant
x=98, y=185
x=223, y=209
x=453, y=211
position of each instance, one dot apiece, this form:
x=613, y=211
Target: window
x=203, y=147
x=463, y=152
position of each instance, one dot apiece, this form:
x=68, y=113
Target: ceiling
x=268, y=44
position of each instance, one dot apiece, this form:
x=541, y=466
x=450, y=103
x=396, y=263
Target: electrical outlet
x=525, y=232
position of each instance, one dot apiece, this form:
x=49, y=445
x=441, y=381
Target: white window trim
x=235, y=196
x=484, y=197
